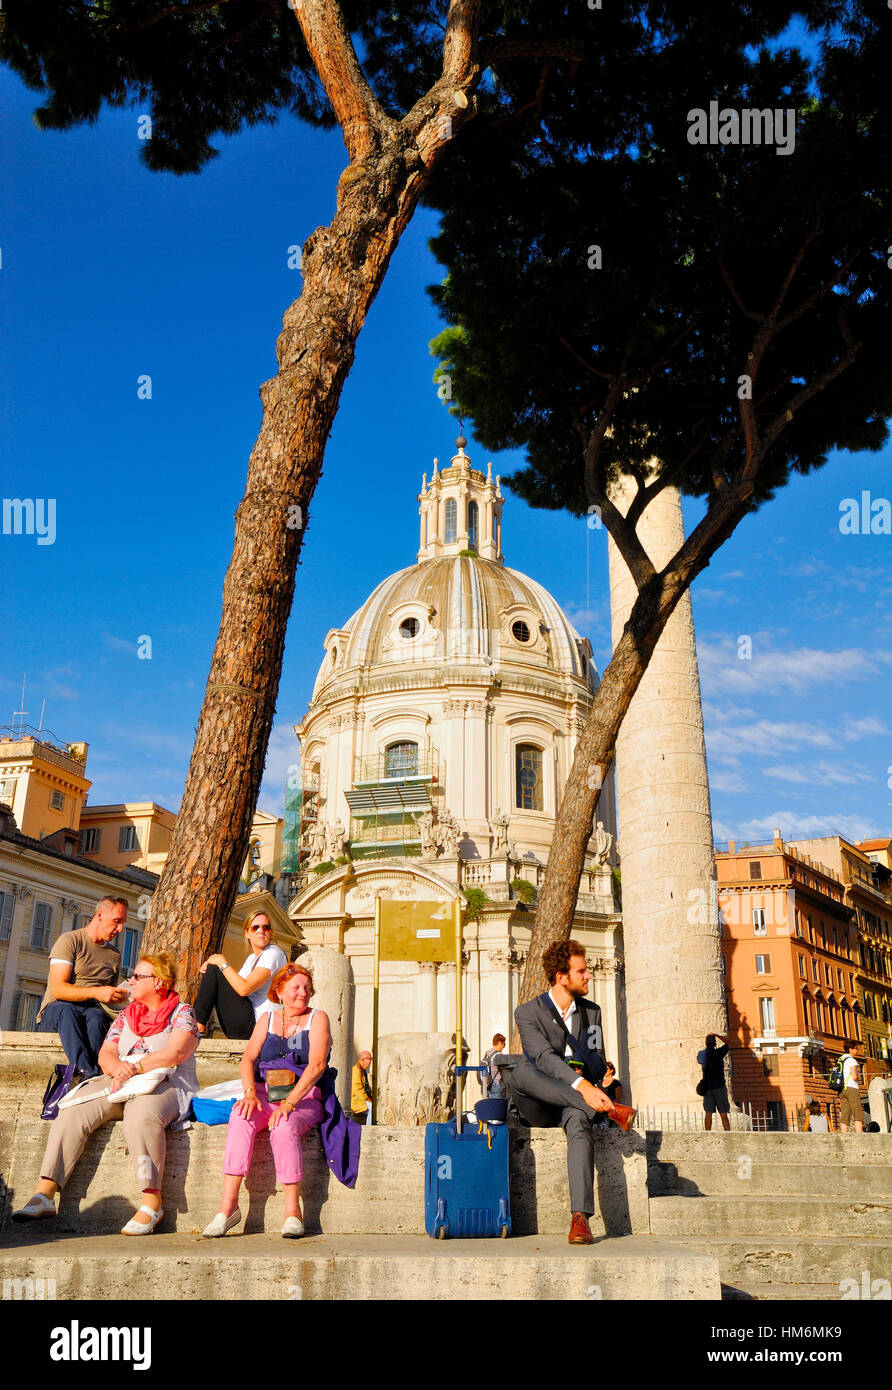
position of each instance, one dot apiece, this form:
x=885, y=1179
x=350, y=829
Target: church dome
x=460, y=606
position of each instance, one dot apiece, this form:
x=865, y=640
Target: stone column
x=21, y=895
x=334, y=992
x=426, y=997
x=673, y=961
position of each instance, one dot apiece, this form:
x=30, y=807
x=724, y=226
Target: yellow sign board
x=423, y=931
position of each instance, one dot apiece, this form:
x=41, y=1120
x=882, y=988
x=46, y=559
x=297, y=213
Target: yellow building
x=44, y=783
x=131, y=832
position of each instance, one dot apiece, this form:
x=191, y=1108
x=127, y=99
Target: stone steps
x=761, y=1216
x=355, y=1267
x=388, y=1198
x=764, y=1293
x=795, y=1268
x=751, y=1176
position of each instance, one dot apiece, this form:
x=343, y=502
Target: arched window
x=528, y=777
x=401, y=760
x=451, y=520
x=473, y=524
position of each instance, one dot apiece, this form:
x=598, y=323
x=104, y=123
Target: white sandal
x=34, y=1210
x=138, y=1228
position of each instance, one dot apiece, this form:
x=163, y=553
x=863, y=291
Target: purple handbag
x=62, y=1080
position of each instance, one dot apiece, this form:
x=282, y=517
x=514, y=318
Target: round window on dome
x=521, y=631
x=409, y=628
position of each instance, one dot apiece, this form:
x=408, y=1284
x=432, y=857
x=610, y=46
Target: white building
x=441, y=732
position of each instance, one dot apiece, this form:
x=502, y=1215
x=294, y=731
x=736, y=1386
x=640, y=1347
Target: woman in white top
x=240, y=996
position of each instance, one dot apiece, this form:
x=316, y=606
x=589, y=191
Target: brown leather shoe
x=580, y=1233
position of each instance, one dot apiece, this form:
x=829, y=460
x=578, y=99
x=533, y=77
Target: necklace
x=287, y=1027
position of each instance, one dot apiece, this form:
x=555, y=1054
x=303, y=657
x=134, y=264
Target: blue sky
x=110, y=273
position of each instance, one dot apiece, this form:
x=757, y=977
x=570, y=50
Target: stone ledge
x=362, y=1267
x=388, y=1197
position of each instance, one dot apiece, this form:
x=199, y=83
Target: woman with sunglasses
x=240, y=996
x=288, y=1089
x=155, y=1030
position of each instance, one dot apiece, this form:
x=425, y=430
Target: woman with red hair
x=289, y=1089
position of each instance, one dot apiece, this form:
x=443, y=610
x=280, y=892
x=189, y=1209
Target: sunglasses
x=137, y=976
x=263, y=926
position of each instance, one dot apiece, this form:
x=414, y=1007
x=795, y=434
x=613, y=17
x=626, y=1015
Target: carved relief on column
x=503, y=958
x=68, y=905
x=19, y=890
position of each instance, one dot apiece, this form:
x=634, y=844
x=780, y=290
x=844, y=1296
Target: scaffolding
x=390, y=793
x=301, y=811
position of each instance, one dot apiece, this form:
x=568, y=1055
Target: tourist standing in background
x=715, y=1093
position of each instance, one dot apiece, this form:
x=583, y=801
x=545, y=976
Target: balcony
x=400, y=781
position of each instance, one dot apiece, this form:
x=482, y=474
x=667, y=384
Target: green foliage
x=476, y=900
x=208, y=70
x=544, y=351
x=323, y=868
x=617, y=880
x=471, y=554
x=523, y=890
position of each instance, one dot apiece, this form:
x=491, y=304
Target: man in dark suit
x=557, y=1083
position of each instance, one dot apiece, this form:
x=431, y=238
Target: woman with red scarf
x=155, y=1030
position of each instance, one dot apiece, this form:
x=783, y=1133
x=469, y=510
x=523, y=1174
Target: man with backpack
x=846, y=1079
x=713, y=1087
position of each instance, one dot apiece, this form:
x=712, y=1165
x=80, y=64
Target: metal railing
x=388, y=767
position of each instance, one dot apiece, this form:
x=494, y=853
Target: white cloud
x=117, y=644
x=283, y=752
x=771, y=668
x=821, y=773
x=793, y=826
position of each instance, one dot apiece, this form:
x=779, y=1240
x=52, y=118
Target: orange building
x=866, y=877
x=790, y=948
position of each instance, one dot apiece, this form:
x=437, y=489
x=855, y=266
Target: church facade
x=442, y=728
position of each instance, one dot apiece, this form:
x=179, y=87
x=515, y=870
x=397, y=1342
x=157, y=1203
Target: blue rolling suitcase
x=466, y=1178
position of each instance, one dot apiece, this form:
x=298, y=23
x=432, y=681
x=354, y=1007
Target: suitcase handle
x=461, y=1071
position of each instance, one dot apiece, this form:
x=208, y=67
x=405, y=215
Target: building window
x=7, y=789
x=520, y=631
x=128, y=840
x=766, y=1015
x=763, y=965
x=755, y=868
x=451, y=520
x=815, y=972
x=409, y=628
x=811, y=930
x=24, y=1010
x=819, y=1015
x=7, y=903
x=805, y=1015
x=528, y=774
x=57, y=801
x=759, y=927
x=473, y=525
x=130, y=952
x=770, y=1065
x=839, y=978
x=41, y=926
x=401, y=760
x=90, y=841
x=802, y=969
x=828, y=978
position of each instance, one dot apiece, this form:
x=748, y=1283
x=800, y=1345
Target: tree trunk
x=343, y=267
x=656, y=601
